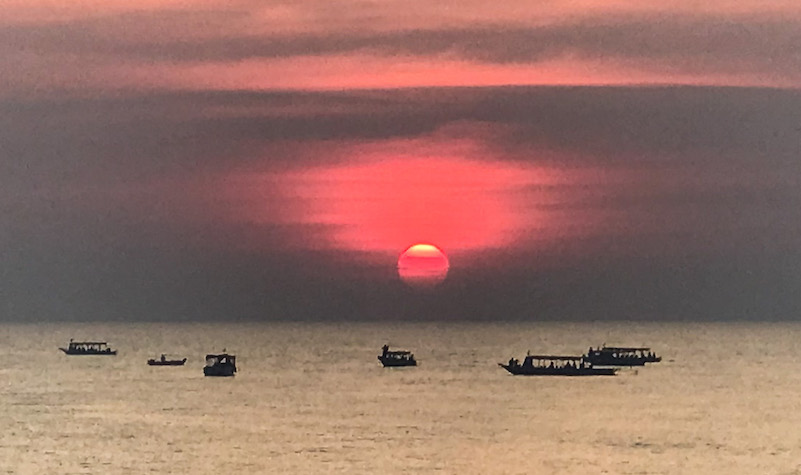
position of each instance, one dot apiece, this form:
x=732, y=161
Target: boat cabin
x=549, y=361
x=621, y=351
x=221, y=359
x=622, y=355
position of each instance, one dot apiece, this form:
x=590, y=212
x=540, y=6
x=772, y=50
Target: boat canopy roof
x=624, y=348
x=400, y=352
x=220, y=356
x=88, y=342
x=554, y=357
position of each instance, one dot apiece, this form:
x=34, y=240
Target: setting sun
x=423, y=265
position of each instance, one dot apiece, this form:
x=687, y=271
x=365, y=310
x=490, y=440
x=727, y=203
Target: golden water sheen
x=312, y=398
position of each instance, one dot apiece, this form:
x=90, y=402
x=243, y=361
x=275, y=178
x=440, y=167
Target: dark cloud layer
x=105, y=211
x=658, y=42
x=132, y=138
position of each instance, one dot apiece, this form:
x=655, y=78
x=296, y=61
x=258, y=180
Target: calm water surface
x=312, y=398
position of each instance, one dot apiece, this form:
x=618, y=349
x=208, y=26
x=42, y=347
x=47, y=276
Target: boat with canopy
x=554, y=365
x=621, y=356
x=80, y=348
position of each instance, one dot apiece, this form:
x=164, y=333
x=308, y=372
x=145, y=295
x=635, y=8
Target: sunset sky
x=196, y=159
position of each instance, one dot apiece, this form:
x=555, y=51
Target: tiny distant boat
x=621, y=356
x=555, y=365
x=396, y=358
x=88, y=348
x=220, y=365
x=163, y=361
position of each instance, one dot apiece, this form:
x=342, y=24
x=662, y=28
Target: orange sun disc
x=423, y=265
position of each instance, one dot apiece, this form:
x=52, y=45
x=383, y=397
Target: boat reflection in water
x=220, y=365
x=396, y=358
x=621, y=356
x=555, y=365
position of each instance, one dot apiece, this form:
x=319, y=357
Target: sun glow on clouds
x=393, y=194
x=387, y=205
x=342, y=73
x=89, y=47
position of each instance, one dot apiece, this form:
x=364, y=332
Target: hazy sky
x=197, y=159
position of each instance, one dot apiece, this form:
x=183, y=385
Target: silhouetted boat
x=396, y=358
x=220, y=365
x=621, y=356
x=88, y=348
x=553, y=365
x=163, y=361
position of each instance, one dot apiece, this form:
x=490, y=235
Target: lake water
x=312, y=398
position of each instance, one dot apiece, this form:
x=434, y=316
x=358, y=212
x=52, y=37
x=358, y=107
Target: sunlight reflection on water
x=311, y=398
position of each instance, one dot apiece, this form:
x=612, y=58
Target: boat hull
x=88, y=353
x=539, y=371
x=394, y=363
x=220, y=371
x=166, y=362
x=612, y=361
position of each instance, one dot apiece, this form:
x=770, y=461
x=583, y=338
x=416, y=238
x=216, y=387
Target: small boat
x=88, y=348
x=163, y=361
x=220, y=365
x=396, y=358
x=555, y=365
x=621, y=356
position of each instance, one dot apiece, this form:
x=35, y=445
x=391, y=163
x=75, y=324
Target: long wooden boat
x=163, y=361
x=554, y=365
